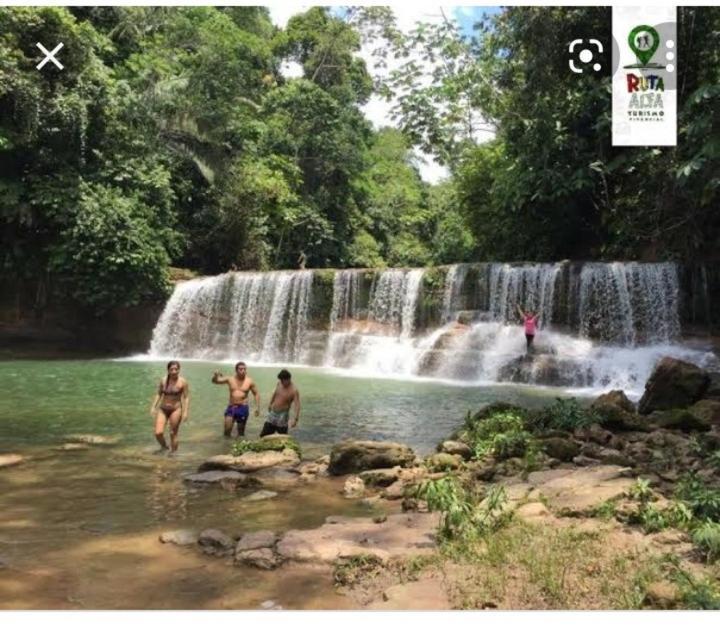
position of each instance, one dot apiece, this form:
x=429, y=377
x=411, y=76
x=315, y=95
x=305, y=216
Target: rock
x=662, y=595
x=277, y=477
x=381, y=477
x=456, y=447
x=708, y=411
x=354, y=487
x=673, y=384
x=578, y=490
x=594, y=433
x=262, y=494
x=442, y=461
x=69, y=447
x=583, y=461
x=428, y=594
x=484, y=470
x=309, y=468
x=370, y=501
x=263, y=558
x=258, y=539
x=8, y=460
x=561, y=449
x=323, y=460
x=219, y=477
x=92, y=440
x=609, y=456
x=350, y=457
x=616, y=397
x=401, y=535
x=533, y=511
x=713, y=390
x=270, y=605
x=396, y=491
x=413, y=504
x=215, y=542
x=251, y=461
x=615, y=417
x=678, y=418
x=181, y=537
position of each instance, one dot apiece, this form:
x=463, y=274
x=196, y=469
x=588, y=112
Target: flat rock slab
x=263, y=494
x=181, y=537
x=251, y=461
x=278, y=477
x=400, y=535
x=8, y=460
x=422, y=594
x=258, y=539
x=577, y=490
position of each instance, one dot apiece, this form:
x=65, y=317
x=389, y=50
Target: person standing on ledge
x=530, y=321
x=286, y=394
x=173, y=397
x=238, y=410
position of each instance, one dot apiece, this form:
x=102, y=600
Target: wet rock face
x=351, y=457
x=679, y=418
x=616, y=397
x=673, y=384
x=559, y=448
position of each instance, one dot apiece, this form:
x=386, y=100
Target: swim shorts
x=239, y=412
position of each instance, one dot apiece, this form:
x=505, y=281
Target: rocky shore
x=628, y=485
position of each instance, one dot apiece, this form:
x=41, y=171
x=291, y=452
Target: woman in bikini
x=171, y=404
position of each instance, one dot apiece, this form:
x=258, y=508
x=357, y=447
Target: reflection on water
x=71, y=519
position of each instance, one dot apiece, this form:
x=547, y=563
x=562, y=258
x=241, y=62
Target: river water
x=79, y=528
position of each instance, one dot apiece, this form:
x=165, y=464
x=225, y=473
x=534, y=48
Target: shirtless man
x=285, y=395
x=238, y=409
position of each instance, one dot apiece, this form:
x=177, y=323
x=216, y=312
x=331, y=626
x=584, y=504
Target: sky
x=377, y=110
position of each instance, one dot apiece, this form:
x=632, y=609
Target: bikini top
x=165, y=390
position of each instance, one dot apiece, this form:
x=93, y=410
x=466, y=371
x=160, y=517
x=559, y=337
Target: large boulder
x=673, y=384
x=350, y=457
x=442, y=461
x=559, y=448
x=380, y=478
x=708, y=411
x=713, y=390
x=679, y=419
x=617, y=412
x=616, y=397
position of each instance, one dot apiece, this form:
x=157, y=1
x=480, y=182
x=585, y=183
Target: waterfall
x=258, y=316
x=629, y=303
x=531, y=286
x=603, y=325
x=454, y=282
x=393, y=299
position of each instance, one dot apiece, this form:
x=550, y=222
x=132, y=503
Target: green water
x=70, y=517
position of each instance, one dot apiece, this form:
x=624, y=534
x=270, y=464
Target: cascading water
x=257, y=316
x=601, y=325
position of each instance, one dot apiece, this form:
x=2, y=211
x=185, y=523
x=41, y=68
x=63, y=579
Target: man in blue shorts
x=238, y=410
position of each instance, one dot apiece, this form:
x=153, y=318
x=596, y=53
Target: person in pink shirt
x=530, y=321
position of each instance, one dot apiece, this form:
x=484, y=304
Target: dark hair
x=170, y=364
x=237, y=364
x=284, y=375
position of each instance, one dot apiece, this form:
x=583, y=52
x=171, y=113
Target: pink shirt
x=530, y=323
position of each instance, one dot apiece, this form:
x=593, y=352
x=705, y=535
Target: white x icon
x=50, y=56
